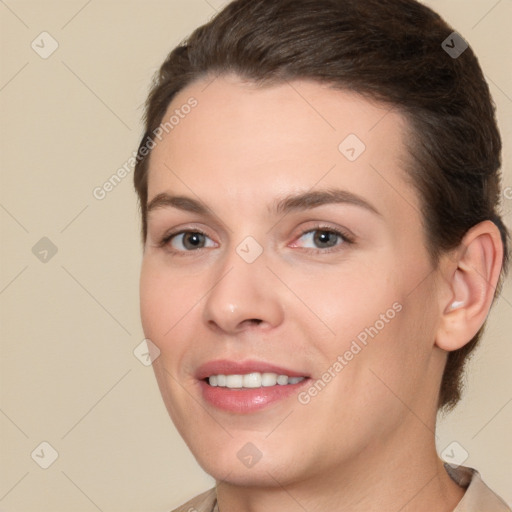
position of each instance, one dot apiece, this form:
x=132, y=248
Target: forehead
x=240, y=140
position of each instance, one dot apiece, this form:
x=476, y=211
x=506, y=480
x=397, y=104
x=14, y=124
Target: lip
x=246, y=400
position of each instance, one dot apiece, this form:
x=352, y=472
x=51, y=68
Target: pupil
x=194, y=238
x=326, y=237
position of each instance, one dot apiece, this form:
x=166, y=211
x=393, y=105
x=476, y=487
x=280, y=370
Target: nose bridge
x=242, y=290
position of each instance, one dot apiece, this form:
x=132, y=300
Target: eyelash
x=345, y=238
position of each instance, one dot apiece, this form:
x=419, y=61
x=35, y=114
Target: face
x=284, y=240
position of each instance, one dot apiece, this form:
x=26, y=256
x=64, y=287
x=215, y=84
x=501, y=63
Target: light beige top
x=477, y=498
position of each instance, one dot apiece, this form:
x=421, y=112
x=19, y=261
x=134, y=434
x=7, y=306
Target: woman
x=318, y=185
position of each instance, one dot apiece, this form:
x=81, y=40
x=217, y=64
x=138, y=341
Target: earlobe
x=472, y=280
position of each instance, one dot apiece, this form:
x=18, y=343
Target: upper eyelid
x=318, y=226
x=186, y=229
x=345, y=234
x=193, y=218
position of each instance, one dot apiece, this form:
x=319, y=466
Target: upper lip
x=227, y=367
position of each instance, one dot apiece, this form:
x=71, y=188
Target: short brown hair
x=386, y=50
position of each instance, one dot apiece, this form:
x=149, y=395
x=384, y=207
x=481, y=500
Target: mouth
x=246, y=387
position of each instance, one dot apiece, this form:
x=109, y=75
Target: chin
x=265, y=475
x=245, y=466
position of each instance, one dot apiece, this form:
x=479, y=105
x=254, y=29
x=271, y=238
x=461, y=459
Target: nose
x=242, y=296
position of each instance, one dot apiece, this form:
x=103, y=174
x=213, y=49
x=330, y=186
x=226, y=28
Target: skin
x=366, y=441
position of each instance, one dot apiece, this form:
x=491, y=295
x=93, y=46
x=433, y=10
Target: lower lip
x=247, y=400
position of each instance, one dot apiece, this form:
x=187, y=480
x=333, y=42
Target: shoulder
x=478, y=496
x=204, y=502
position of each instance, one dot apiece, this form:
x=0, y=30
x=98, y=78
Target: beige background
x=69, y=325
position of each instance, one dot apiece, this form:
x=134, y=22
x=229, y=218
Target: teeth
x=269, y=379
x=282, y=380
x=234, y=381
x=252, y=380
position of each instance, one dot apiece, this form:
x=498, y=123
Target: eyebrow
x=284, y=205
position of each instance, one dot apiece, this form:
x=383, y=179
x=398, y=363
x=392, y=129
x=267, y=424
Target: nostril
x=251, y=322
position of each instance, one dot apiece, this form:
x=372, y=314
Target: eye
x=186, y=241
x=325, y=238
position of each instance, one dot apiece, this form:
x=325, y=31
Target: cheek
x=150, y=303
x=159, y=304
x=377, y=324
x=396, y=363
x=353, y=304
x=169, y=305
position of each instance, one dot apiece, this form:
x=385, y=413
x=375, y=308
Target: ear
x=470, y=282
